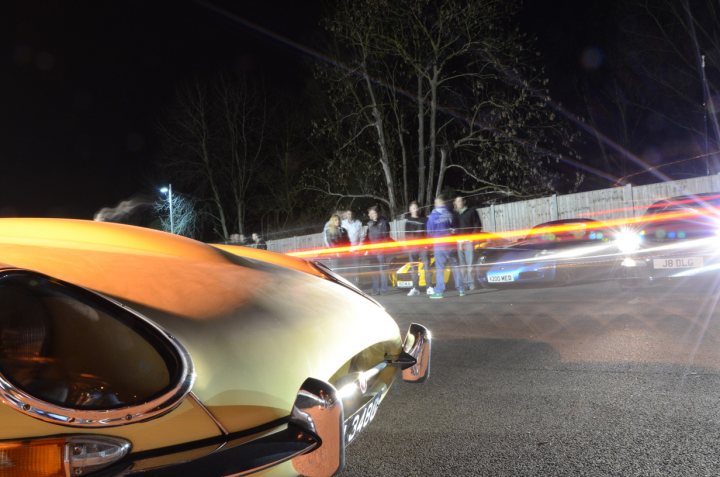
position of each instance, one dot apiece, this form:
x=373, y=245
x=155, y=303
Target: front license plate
x=356, y=423
x=404, y=284
x=683, y=262
x=501, y=278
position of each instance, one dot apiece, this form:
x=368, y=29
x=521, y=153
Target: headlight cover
x=71, y=356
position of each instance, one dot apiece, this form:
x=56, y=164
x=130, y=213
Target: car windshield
x=710, y=205
x=565, y=232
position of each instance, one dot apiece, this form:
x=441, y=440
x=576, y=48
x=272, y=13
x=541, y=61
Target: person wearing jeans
x=468, y=222
x=445, y=254
x=378, y=231
x=355, y=231
x=442, y=223
x=415, y=226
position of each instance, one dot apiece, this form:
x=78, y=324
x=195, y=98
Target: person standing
x=378, y=231
x=258, y=242
x=354, y=230
x=415, y=226
x=335, y=236
x=442, y=223
x=468, y=222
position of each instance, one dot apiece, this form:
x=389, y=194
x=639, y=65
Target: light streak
x=512, y=234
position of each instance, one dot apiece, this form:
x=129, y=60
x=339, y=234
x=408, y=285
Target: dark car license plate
x=681, y=262
x=356, y=423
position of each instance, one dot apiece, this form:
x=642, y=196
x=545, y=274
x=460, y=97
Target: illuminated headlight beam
x=628, y=241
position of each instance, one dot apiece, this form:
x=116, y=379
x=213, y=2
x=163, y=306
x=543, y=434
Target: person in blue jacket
x=442, y=223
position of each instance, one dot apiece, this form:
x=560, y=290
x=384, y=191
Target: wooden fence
x=618, y=202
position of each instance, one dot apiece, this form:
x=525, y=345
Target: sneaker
x=471, y=286
x=413, y=292
x=436, y=296
x=430, y=291
x=461, y=293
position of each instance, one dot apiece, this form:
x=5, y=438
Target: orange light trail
x=487, y=236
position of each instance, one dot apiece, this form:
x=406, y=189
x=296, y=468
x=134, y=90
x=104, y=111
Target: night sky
x=83, y=85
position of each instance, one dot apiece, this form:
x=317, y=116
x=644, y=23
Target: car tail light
x=60, y=457
x=71, y=356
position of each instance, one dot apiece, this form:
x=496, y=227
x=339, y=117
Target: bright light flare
x=628, y=241
x=358, y=384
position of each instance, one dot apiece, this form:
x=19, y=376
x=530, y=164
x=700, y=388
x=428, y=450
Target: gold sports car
x=130, y=351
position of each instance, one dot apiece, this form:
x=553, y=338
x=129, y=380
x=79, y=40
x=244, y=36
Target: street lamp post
x=168, y=190
x=705, y=113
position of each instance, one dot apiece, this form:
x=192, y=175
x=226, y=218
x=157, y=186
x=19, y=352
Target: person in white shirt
x=353, y=227
x=354, y=230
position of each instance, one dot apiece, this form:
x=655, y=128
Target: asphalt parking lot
x=590, y=379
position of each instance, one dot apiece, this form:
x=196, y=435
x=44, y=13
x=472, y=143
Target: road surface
x=581, y=380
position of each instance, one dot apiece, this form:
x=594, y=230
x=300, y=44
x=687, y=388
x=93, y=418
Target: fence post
x=553, y=207
x=494, y=221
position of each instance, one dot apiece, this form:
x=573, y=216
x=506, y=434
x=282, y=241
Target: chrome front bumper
x=312, y=438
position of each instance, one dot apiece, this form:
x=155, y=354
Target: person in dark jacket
x=258, y=242
x=334, y=235
x=468, y=222
x=378, y=230
x=442, y=223
x=415, y=225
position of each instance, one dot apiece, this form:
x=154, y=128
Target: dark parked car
x=560, y=251
x=679, y=237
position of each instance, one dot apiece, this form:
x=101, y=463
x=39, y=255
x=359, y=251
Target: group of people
x=255, y=241
x=459, y=254
x=343, y=229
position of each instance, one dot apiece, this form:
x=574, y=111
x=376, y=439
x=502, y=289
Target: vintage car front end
x=159, y=355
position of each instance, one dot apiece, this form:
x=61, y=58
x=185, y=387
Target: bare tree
x=280, y=180
x=436, y=77
x=216, y=134
x=243, y=136
x=190, y=159
x=187, y=218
